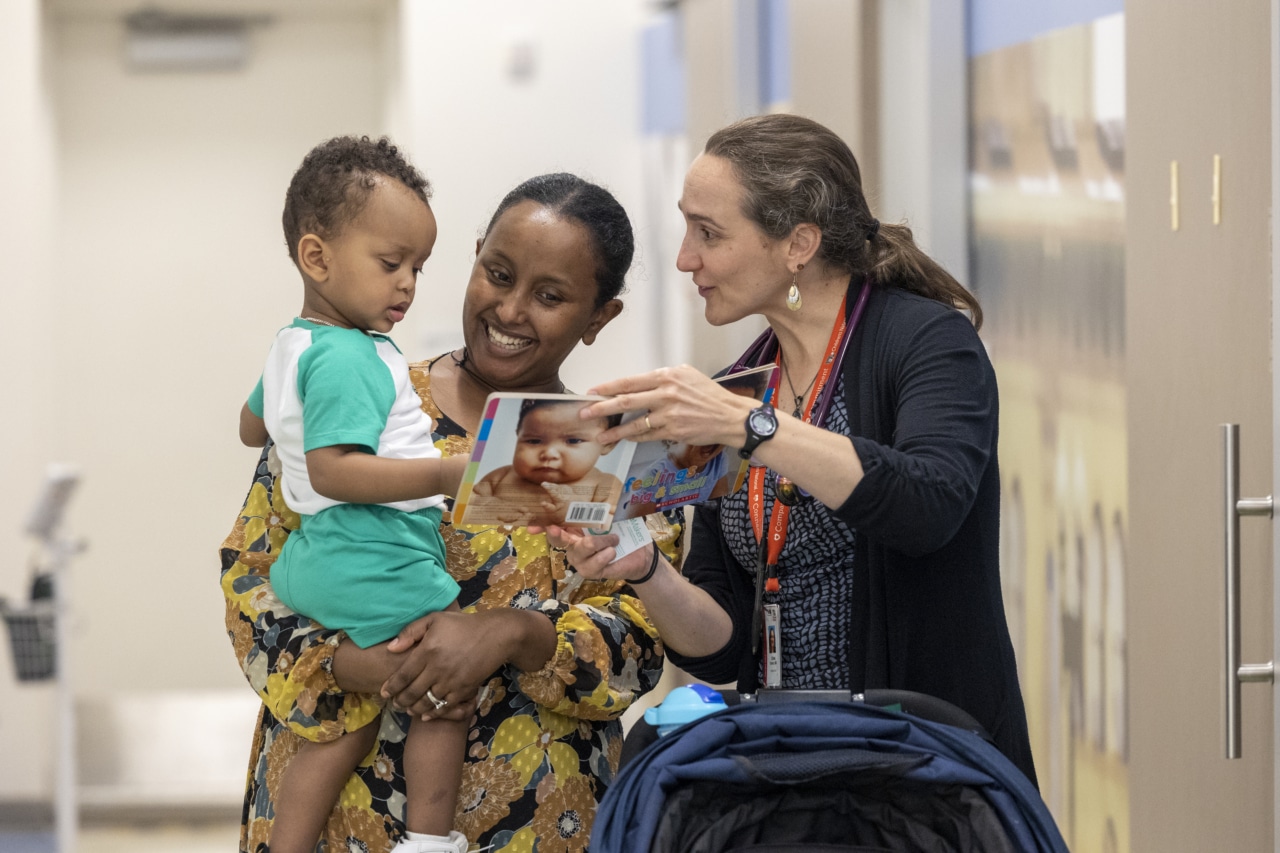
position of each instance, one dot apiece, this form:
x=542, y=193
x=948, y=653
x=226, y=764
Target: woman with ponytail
x=866, y=536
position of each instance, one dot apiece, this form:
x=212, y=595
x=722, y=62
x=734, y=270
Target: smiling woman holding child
x=541, y=662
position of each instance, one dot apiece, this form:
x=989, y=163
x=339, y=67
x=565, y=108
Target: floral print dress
x=542, y=746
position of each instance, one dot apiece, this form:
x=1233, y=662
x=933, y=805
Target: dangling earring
x=794, y=302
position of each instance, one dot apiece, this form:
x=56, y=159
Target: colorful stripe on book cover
x=473, y=467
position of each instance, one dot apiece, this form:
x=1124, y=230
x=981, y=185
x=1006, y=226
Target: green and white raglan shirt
x=367, y=569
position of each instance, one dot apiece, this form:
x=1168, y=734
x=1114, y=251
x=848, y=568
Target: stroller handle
x=920, y=705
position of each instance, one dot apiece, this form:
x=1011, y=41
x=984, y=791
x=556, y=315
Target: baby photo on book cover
x=541, y=464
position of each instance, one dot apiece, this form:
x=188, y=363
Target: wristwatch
x=762, y=423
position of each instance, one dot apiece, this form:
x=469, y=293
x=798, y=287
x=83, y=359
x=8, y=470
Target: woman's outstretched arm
x=688, y=619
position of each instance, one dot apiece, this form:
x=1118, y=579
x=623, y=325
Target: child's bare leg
x=433, y=754
x=315, y=776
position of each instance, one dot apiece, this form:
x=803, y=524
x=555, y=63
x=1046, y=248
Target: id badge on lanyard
x=772, y=645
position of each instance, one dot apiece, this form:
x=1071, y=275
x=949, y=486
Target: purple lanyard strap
x=764, y=348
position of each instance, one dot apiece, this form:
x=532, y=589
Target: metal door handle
x=1235, y=506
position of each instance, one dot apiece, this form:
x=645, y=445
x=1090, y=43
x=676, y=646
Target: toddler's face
x=554, y=446
x=375, y=260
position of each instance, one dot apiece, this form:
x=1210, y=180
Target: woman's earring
x=794, y=302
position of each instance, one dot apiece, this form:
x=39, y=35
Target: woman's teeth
x=506, y=341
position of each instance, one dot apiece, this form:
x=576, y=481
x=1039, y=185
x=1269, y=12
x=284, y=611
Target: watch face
x=763, y=423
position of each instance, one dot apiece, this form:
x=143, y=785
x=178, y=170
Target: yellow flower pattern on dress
x=542, y=746
x=533, y=744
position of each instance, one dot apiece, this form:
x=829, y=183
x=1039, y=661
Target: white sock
x=422, y=836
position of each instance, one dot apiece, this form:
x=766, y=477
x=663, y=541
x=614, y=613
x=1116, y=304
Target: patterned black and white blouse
x=816, y=574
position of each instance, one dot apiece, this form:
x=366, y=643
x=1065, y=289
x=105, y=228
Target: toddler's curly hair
x=334, y=183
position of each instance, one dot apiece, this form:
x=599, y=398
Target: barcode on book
x=584, y=512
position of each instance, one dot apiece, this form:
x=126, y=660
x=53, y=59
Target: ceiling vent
x=165, y=41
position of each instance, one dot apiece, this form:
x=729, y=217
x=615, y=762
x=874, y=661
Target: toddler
x=359, y=466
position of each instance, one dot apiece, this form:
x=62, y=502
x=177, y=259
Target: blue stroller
x=828, y=777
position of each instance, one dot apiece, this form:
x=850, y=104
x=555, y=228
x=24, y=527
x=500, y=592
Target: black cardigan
x=928, y=615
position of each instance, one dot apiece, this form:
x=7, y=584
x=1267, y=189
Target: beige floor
x=151, y=838
x=203, y=838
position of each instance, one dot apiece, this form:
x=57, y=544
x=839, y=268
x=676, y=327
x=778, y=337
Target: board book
x=535, y=462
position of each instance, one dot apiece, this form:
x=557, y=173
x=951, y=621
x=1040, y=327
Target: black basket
x=31, y=637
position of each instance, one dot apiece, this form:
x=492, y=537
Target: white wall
x=32, y=307
x=479, y=128
x=923, y=145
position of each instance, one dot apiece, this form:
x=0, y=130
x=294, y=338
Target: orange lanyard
x=778, y=517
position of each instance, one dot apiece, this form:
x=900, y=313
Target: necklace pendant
x=788, y=492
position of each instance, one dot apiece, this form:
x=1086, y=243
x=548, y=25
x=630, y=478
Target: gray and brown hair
x=794, y=170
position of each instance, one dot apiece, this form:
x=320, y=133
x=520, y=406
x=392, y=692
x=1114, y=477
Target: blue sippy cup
x=684, y=705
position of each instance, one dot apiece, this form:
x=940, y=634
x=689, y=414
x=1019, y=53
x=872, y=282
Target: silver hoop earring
x=794, y=302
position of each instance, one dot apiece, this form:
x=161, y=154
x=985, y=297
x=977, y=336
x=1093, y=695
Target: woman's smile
x=510, y=343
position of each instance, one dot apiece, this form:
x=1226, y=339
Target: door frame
x=1275, y=400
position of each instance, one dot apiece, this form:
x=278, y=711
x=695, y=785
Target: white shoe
x=455, y=843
